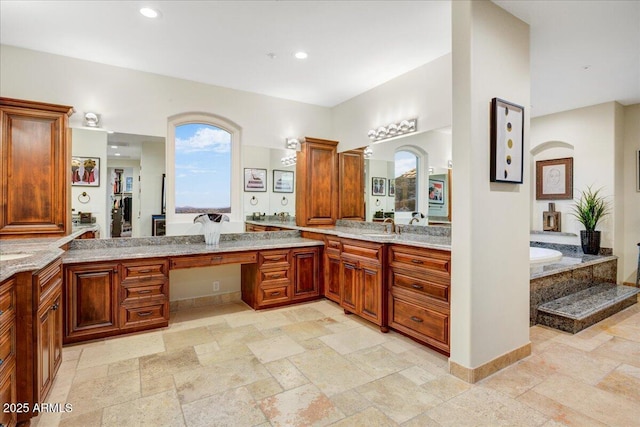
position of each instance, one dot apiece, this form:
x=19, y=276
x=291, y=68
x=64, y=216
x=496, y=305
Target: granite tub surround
x=162, y=246
x=574, y=251
x=582, y=309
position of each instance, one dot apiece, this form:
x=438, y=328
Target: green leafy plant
x=590, y=208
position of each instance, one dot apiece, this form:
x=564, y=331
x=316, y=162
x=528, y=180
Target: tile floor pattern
x=313, y=365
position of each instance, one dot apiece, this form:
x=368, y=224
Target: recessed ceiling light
x=149, y=13
x=301, y=55
x=117, y=154
x=114, y=146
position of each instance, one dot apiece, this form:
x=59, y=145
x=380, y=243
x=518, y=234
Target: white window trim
x=236, y=157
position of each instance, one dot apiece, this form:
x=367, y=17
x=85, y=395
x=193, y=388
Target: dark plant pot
x=590, y=241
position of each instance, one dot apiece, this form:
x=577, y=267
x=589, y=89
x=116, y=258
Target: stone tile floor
x=313, y=365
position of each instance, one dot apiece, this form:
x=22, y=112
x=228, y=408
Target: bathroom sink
x=9, y=257
x=380, y=235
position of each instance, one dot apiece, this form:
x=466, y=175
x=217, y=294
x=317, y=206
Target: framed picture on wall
x=378, y=185
x=85, y=171
x=392, y=187
x=255, y=179
x=282, y=181
x=436, y=192
x=554, y=179
x=507, y=136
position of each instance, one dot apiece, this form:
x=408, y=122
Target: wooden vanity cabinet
x=419, y=294
x=332, y=261
x=317, y=182
x=38, y=315
x=106, y=299
x=35, y=179
x=281, y=277
x=362, y=280
x=8, y=380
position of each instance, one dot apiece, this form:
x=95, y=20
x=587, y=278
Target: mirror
x=419, y=160
x=130, y=192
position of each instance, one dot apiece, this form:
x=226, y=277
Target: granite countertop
x=568, y=263
x=42, y=251
x=374, y=232
x=167, y=246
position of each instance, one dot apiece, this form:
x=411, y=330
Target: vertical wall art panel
x=507, y=136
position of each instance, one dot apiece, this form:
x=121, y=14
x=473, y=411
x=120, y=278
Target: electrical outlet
x=216, y=286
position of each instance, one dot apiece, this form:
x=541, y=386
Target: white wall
x=631, y=223
x=489, y=303
x=423, y=93
x=91, y=143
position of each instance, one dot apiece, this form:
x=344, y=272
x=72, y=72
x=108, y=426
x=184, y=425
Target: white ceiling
x=353, y=46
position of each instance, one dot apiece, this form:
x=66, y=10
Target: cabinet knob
x=416, y=319
x=55, y=306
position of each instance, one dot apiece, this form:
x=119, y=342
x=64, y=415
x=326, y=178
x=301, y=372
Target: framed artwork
x=507, y=136
x=128, y=188
x=378, y=186
x=282, y=181
x=436, y=192
x=255, y=179
x=554, y=179
x=392, y=187
x=85, y=171
x=638, y=170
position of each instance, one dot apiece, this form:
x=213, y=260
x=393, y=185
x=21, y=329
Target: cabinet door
x=306, y=279
x=91, y=296
x=317, y=182
x=349, y=285
x=8, y=395
x=49, y=343
x=332, y=278
x=351, y=188
x=35, y=168
x=370, y=298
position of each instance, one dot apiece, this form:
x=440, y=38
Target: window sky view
x=203, y=168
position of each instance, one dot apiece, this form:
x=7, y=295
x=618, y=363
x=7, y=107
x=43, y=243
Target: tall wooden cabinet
x=35, y=169
x=351, y=188
x=317, y=182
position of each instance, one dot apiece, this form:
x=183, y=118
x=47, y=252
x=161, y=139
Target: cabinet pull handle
x=275, y=294
x=275, y=276
x=416, y=319
x=417, y=261
x=216, y=259
x=416, y=286
x=55, y=306
x=145, y=291
x=145, y=313
x=146, y=271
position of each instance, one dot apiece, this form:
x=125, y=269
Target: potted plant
x=589, y=209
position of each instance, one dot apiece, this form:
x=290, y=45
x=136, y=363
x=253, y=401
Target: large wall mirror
x=128, y=200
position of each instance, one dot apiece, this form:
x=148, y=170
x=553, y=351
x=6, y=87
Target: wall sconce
x=368, y=152
x=431, y=170
x=393, y=129
x=450, y=164
x=293, y=144
x=289, y=160
x=92, y=120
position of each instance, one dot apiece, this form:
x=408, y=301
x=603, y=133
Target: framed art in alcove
x=85, y=171
x=554, y=179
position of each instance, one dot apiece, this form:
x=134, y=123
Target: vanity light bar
x=393, y=129
x=289, y=160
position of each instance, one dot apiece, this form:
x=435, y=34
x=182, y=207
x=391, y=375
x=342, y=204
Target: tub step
x=580, y=310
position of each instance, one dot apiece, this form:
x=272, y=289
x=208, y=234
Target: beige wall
x=631, y=202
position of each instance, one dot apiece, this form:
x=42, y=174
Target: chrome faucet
x=393, y=224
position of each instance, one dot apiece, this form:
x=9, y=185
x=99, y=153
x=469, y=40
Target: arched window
x=406, y=181
x=202, y=157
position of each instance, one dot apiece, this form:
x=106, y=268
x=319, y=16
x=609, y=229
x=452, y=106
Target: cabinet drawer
x=144, y=270
x=362, y=249
x=421, y=259
x=138, y=315
x=438, y=291
x=7, y=301
x=7, y=345
x=431, y=323
x=274, y=293
x=335, y=244
x=213, y=259
x=274, y=259
x=274, y=275
x=48, y=278
x=143, y=291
